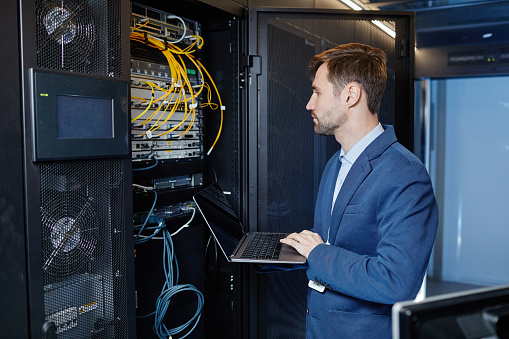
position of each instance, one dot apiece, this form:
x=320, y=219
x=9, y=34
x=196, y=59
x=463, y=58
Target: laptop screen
x=221, y=219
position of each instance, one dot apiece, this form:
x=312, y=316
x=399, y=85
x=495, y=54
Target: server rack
x=67, y=186
x=176, y=178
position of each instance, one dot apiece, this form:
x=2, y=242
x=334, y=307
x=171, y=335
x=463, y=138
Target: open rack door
x=286, y=158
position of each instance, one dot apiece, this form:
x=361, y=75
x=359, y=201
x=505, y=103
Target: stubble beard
x=323, y=129
x=329, y=122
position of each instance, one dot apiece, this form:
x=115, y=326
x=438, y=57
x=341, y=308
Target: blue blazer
x=382, y=230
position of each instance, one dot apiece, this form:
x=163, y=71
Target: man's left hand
x=304, y=242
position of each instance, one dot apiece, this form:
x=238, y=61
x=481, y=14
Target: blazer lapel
x=329, y=193
x=359, y=171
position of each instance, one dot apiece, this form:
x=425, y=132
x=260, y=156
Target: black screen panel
x=84, y=117
x=78, y=117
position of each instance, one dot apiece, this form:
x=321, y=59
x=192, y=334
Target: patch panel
x=137, y=135
x=168, y=154
x=162, y=24
x=190, y=180
x=176, y=118
x=168, y=212
x=164, y=144
x=155, y=71
x=155, y=131
x=163, y=127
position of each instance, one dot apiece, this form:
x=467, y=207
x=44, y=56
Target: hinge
x=403, y=48
x=252, y=61
x=249, y=64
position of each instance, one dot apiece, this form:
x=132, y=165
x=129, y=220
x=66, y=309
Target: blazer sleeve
x=407, y=221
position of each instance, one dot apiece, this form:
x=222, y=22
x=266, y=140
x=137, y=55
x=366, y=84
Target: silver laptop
x=236, y=245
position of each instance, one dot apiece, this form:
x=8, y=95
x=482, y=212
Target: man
x=375, y=216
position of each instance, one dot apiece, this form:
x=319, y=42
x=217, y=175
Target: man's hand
x=304, y=242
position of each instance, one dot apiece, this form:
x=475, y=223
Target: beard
x=324, y=129
x=330, y=121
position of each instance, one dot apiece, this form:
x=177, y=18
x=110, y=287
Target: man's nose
x=311, y=104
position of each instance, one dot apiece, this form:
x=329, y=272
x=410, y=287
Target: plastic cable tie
x=149, y=134
x=193, y=105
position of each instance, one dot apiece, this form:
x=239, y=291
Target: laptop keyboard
x=263, y=246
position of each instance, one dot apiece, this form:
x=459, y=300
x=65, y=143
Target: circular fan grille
x=65, y=34
x=71, y=234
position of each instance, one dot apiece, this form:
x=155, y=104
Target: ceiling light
x=384, y=28
x=352, y=5
x=487, y=35
x=377, y=23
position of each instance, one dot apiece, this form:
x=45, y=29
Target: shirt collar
x=361, y=145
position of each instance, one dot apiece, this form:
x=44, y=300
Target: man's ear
x=353, y=94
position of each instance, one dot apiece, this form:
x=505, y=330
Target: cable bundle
x=171, y=273
x=170, y=288
x=175, y=95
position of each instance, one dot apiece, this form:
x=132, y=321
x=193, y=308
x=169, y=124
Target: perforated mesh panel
x=79, y=36
x=83, y=239
x=296, y=156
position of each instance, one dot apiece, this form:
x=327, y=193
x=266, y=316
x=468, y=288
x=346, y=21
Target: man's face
x=325, y=105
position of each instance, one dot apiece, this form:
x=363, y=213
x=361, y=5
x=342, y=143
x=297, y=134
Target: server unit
x=71, y=168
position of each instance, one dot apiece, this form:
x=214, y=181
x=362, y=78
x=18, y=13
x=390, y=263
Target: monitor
x=75, y=117
x=472, y=314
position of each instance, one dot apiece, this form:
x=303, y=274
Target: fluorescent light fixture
x=352, y=5
x=377, y=23
x=384, y=28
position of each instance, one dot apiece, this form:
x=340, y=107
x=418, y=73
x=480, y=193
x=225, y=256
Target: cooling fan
x=71, y=234
x=66, y=34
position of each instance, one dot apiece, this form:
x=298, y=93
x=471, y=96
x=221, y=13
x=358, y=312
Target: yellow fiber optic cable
x=148, y=106
x=141, y=99
x=180, y=79
x=146, y=121
x=220, y=106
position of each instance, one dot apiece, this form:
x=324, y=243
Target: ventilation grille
x=83, y=239
x=79, y=36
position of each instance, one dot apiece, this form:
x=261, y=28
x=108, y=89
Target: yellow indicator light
x=43, y=94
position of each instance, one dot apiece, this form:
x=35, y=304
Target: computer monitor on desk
x=473, y=314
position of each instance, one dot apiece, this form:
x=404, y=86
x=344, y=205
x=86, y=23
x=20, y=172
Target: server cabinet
x=13, y=279
x=286, y=158
x=66, y=190
x=176, y=162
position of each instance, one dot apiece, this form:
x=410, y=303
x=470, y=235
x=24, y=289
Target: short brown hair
x=363, y=64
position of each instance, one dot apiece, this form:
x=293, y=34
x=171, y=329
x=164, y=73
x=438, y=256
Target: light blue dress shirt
x=349, y=158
